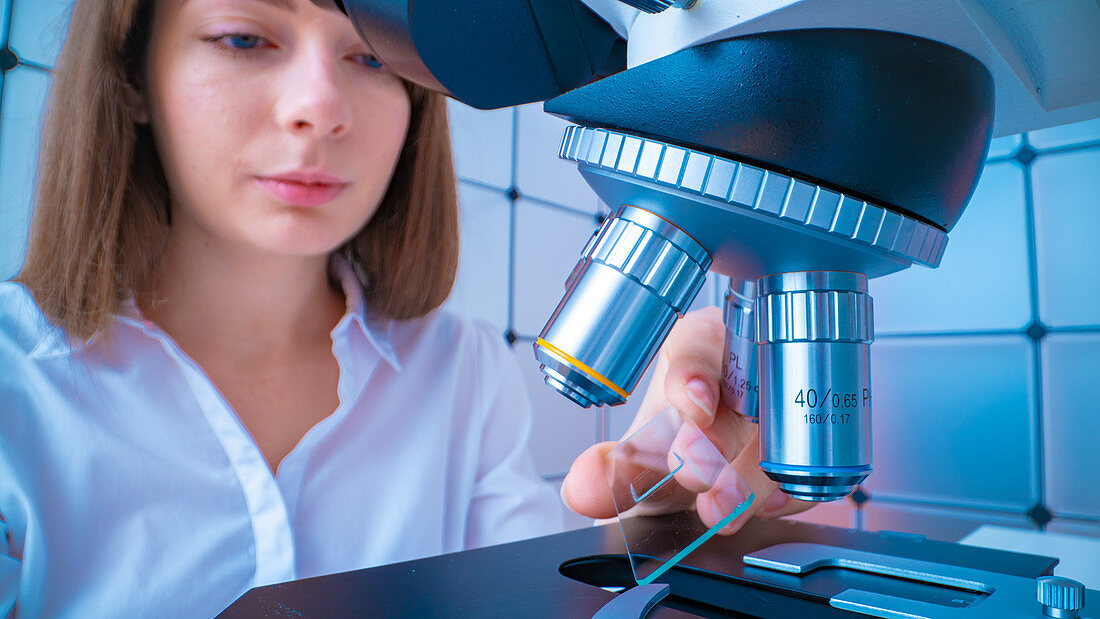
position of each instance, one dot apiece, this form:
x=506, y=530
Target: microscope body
x=798, y=147
x=774, y=187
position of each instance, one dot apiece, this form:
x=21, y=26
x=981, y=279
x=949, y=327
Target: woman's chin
x=302, y=235
x=298, y=247
x=302, y=242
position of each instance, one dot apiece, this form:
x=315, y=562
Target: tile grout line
x=1060, y=149
x=945, y=334
x=511, y=309
x=1067, y=148
x=10, y=4
x=984, y=332
x=560, y=207
x=901, y=500
x=34, y=66
x=1038, y=453
x=473, y=182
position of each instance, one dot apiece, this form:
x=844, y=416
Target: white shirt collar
x=375, y=329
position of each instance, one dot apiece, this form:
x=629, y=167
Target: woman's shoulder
x=458, y=337
x=448, y=328
x=23, y=326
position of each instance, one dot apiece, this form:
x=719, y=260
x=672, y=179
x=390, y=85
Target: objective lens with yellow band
x=637, y=275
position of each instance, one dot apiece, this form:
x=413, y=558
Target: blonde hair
x=101, y=217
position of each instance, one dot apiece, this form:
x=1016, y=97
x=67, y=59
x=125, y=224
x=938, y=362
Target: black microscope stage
x=564, y=575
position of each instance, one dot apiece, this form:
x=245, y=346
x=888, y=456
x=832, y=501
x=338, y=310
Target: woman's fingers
x=783, y=505
x=585, y=489
x=715, y=488
x=768, y=500
x=687, y=377
x=631, y=479
x=693, y=368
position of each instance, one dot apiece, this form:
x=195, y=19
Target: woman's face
x=277, y=129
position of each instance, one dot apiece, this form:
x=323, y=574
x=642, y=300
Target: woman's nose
x=313, y=101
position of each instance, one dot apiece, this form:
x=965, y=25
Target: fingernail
x=565, y=501
x=699, y=393
x=704, y=460
x=727, y=499
x=777, y=501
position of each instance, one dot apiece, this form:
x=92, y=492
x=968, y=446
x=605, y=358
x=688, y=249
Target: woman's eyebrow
x=286, y=5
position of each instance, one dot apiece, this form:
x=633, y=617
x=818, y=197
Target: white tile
x=572, y=520
x=548, y=245
x=5, y=7
x=1073, y=133
x=561, y=429
x=481, y=286
x=482, y=142
x=1071, y=423
x=38, y=29
x=1078, y=556
x=982, y=282
x=1004, y=145
x=952, y=420
x=944, y=524
x=539, y=171
x=20, y=128
x=1067, y=217
x=1075, y=527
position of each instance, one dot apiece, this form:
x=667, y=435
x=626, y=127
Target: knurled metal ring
x=756, y=189
x=815, y=316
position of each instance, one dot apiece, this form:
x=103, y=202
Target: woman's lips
x=301, y=194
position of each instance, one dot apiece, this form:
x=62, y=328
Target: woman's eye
x=369, y=60
x=236, y=41
x=242, y=41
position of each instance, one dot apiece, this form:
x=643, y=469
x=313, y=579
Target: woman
x=222, y=363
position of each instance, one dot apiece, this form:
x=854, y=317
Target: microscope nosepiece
x=815, y=329
x=637, y=274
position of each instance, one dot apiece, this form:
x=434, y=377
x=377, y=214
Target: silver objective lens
x=815, y=329
x=740, y=379
x=637, y=274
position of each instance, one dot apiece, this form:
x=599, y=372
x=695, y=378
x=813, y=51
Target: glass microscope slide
x=669, y=468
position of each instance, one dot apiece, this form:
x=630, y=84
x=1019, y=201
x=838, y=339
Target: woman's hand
x=687, y=377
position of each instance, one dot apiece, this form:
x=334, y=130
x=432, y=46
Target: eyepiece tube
x=636, y=276
x=815, y=329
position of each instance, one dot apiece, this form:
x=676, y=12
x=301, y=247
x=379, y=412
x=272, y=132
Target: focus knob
x=1061, y=597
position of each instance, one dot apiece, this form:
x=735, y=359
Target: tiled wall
x=985, y=370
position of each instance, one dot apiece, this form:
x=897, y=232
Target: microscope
x=798, y=147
